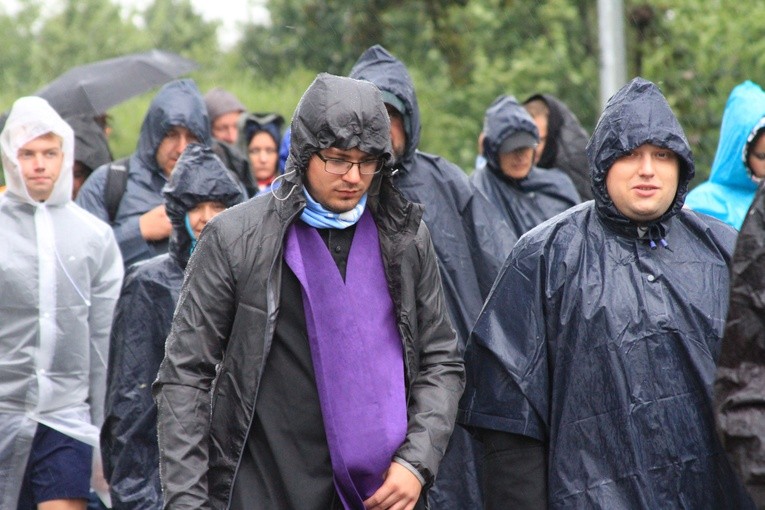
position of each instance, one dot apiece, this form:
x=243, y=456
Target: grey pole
x=613, y=53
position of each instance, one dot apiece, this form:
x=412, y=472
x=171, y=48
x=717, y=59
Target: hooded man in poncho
x=590, y=368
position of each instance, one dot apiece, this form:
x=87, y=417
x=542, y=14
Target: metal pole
x=613, y=53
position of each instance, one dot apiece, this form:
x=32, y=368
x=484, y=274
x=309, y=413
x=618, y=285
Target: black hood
x=340, y=112
x=503, y=118
x=90, y=145
x=390, y=75
x=638, y=114
x=566, y=142
x=199, y=176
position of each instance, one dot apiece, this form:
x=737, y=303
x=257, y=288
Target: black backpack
x=116, y=183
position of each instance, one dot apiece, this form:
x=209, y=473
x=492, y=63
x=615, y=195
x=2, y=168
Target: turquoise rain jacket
x=730, y=189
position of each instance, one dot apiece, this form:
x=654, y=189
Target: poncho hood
x=179, y=103
x=199, y=176
x=636, y=115
x=391, y=76
x=505, y=117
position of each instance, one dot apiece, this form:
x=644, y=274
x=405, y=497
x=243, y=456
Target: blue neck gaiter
x=317, y=216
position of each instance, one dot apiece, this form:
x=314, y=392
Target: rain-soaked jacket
x=178, y=103
x=229, y=306
x=740, y=382
x=525, y=203
x=566, y=143
x=60, y=276
x=730, y=189
x=602, y=343
x=470, y=239
x=141, y=325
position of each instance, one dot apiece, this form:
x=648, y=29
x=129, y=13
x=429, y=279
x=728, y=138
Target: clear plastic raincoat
x=60, y=275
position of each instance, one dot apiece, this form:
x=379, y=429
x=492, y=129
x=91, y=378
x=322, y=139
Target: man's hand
x=155, y=225
x=400, y=490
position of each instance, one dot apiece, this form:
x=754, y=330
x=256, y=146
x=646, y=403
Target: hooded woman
x=259, y=139
x=199, y=188
x=740, y=159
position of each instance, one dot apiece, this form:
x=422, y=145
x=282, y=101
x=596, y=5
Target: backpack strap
x=116, y=183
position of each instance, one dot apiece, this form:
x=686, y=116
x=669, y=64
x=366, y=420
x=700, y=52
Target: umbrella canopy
x=93, y=88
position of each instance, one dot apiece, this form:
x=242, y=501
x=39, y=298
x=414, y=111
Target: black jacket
x=224, y=324
x=602, y=344
x=141, y=325
x=740, y=382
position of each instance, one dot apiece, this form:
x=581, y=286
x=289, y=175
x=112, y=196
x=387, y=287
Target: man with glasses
x=526, y=194
x=311, y=363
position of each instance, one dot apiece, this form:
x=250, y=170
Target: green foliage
x=174, y=25
x=461, y=54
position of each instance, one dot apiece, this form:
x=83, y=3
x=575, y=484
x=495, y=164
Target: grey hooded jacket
x=224, y=324
x=178, y=103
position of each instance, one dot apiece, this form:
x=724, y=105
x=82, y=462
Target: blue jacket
x=602, y=344
x=730, y=189
x=178, y=103
x=141, y=325
x=527, y=202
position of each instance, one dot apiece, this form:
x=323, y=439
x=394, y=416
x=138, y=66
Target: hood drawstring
x=656, y=231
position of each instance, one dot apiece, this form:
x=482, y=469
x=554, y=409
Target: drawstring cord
x=656, y=232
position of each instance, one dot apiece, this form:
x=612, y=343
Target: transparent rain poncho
x=60, y=275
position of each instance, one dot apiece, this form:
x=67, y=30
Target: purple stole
x=357, y=355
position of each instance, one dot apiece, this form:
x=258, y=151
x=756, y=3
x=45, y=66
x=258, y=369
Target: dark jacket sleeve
x=128, y=437
x=506, y=358
x=436, y=390
x=740, y=381
x=196, y=344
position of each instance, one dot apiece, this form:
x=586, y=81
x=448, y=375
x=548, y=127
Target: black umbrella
x=93, y=88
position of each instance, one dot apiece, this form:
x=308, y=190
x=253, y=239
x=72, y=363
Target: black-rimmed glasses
x=341, y=166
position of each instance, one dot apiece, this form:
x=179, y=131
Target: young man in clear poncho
x=60, y=274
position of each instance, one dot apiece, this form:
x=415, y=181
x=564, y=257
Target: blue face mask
x=190, y=230
x=317, y=216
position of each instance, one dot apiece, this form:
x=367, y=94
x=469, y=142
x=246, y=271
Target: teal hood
x=730, y=189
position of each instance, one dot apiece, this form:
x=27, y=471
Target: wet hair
x=751, y=141
x=537, y=107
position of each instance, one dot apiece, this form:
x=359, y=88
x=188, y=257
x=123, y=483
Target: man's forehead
x=647, y=146
x=177, y=128
x=46, y=139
